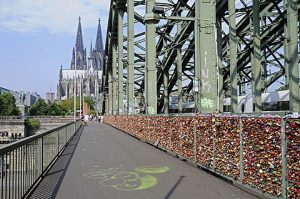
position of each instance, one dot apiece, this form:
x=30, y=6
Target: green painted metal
x=260, y=41
x=256, y=58
x=107, y=102
x=233, y=55
x=151, y=90
x=166, y=92
x=242, y=87
x=110, y=93
x=130, y=54
x=114, y=79
x=120, y=109
x=166, y=84
x=178, y=18
x=205, y=84
x=292, y=55
x=220, y=66
x=179, y=72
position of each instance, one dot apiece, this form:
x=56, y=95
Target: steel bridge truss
x=200, y=51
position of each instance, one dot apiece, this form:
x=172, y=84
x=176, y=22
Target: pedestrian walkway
x=104, y=163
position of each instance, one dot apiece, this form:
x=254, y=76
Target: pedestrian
x=86, y=119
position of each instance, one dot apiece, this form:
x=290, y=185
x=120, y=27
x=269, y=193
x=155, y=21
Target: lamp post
x=75, y=83
x=80, y=93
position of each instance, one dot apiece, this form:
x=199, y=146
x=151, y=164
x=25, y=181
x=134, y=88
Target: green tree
x=90, y=101
x=8, y=105
x=39, y=108
x=42, y=108
x=55, y=109
x=68, y=105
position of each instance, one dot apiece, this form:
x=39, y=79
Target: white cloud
x=55, y=16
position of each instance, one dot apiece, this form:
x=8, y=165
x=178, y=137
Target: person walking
x=86, y=119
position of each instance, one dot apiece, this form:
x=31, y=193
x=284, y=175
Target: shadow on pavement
x=49, y=185
x=174, y=187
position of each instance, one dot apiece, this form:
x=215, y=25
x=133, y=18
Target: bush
x=33, y=125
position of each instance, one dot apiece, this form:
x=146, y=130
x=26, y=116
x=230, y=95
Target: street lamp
x=75, y=84
x=80, y=93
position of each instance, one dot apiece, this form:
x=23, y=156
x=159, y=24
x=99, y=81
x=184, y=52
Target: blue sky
x=37, y=36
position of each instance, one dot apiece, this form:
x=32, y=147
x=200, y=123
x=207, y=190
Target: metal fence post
x=40, y=155
x=284, y=159
x=2, y=175
x=66, y=135
x=181, y=139
x=57, y=142
x=195, y=139
x=213, y=120
x=241, y=151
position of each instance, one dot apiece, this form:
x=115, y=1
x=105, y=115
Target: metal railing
x=257, y=152
x=35, y=117
x=23, y=163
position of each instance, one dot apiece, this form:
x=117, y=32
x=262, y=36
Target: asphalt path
x=103, y=162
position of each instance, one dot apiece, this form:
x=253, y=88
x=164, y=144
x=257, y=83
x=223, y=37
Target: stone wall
x=12, y=129
x=16, y=128
x=52, y=122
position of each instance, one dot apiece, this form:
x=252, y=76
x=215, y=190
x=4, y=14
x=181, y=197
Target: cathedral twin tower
x=88, y=70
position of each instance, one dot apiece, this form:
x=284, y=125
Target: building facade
x=29, y=97
x=88, y=68
x=50, y=96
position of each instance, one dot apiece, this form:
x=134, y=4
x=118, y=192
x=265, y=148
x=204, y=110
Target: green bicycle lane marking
x=120, y=179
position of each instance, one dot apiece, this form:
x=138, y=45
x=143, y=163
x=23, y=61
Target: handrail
x=26, y=140
x=23, y=163
x=39, y=116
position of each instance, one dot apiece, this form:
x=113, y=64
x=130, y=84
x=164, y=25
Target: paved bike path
x=106, y=163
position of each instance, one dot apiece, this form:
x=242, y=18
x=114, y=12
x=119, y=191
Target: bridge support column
x=233, y=55
x=110, y=94
x=166, y=86
x=166, y=92
x=114, y=79
x=130, y=55
x=179, y=71
x=150, y=80
x=220, y=65
x=256, y=58
x=120, y=109
x=205, y=83
x=291, y=54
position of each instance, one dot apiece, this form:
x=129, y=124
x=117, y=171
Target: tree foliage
x=8, y=105
x=42, y=108
x=90, y=101
x=55, y=109
x=39, y=108
x=68, y=105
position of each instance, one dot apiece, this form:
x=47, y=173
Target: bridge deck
x=102, y=162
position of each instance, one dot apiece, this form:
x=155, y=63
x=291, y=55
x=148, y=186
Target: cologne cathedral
x=88, y=69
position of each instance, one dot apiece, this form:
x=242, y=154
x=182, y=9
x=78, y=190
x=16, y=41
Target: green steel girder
x=266, y=37
x=174, y=77
x=271, y=39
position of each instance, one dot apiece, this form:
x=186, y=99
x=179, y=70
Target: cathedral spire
x=73, y=59
x=91, y=49
x=99, y=42
x=79, y=41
